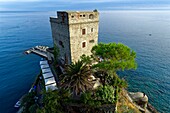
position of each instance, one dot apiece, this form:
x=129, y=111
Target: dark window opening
x=80, y=15
x=91, y=29
x=83, y=44
x=83, y=31
x=91, y=41
x=62, y=15
x=61, y=44
x=72, y=16
x=84, y=15
x=91, y=16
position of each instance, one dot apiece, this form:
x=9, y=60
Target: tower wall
x=77, y=38
x=78, y=32
x=60, y=34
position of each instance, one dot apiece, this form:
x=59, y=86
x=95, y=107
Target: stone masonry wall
x=67, y=29
x=60, y=34
x=77, y=38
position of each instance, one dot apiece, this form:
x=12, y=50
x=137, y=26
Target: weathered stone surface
x=139, y=96
x=67, y=33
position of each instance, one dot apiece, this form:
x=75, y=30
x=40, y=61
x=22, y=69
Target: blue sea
x=22, y=30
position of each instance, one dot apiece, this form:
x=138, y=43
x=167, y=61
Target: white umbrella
x=46, y=70
x=47, y=75
x=43, y=62
x=51, y=86
x=44, y=66
x=49, y=81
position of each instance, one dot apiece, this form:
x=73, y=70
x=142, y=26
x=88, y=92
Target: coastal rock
x=140, y=98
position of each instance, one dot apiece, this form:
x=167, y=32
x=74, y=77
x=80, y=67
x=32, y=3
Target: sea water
x=146, y=32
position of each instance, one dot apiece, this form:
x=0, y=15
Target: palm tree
x=76, y=78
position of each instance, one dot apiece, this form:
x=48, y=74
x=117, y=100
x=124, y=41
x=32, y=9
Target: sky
x=53, y=5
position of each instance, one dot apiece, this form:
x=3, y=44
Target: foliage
x=114, y=57
x=108, y=58
x=105, y=94
x=65, y=95
x=51, y=103
x=32, y=109
x=85, y=97
x=76, y=78
x=117, y=83
x=86, y=59
x=103, y=75
x=28, y=101
x=114, y=81
x=111, y=58
x=89, y=99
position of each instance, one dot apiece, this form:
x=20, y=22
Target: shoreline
x=149, y=107
x=20, y=110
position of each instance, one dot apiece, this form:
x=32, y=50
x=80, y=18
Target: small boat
x=17, y=105
x=150, y=34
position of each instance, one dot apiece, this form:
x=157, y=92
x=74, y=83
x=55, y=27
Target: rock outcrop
x=139, y=98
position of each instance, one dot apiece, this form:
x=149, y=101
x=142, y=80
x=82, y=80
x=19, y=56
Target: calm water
x=22, y=30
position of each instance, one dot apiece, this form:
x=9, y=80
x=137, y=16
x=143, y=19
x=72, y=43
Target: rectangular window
x=83, y=44
x=91, y=41
x=83, y=31
x=91, y=29
x=62, y=15
x=84, y=15
x=61, y=44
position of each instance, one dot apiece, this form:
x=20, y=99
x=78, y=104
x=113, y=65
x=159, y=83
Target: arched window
x=91, y=16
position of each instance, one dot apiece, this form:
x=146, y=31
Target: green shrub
x=106, y=94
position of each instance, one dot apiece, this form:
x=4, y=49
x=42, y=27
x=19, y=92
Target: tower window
x=61, y=44
x=84, y=15
x=91, y=16
x=83, y=44
x=83, y=31
x=72, y=16
x=91, y=29
x=62, y=16
x=91, y=41
x=80, y=15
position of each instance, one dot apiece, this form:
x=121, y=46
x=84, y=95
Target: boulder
x=140, y=98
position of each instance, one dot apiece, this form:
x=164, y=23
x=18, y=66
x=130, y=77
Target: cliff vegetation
x=91, y=85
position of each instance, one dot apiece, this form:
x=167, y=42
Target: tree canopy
x=114, y=56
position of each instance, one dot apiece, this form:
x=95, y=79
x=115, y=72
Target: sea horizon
x=85, y=10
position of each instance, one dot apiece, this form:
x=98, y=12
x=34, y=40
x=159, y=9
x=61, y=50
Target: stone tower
x=75, y=33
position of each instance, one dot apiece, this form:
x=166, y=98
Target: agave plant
x=76, y=78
